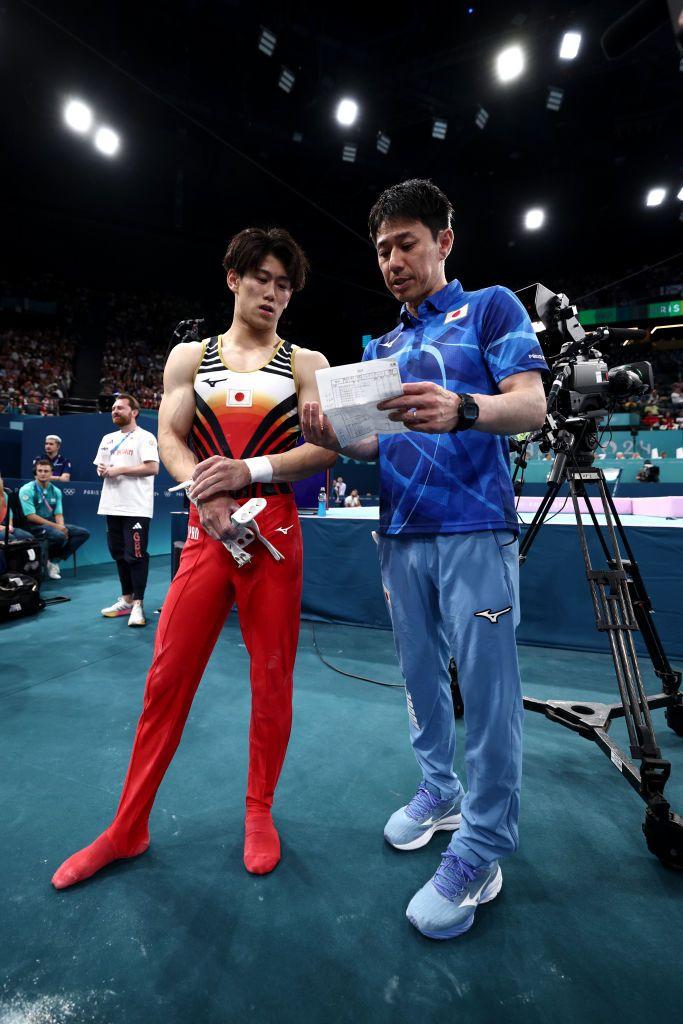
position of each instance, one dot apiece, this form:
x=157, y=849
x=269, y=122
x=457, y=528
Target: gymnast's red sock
x=261, y=843
x=91, y=859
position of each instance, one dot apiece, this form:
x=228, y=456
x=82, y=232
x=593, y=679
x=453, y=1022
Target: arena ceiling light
x=349, y=153
x=286, y=80
x=383, y=143
x=107, y=141
x=655, y=196
x=347, y=112
x=570, y=45
x=481, y=118
x=680, y=195
x=554, y=100
x=439, y=128
x=267, y=41
x=534, y=219
x=78, y=116
x=510, y=63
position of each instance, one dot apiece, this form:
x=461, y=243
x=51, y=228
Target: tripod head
x=584, y=383
x=187, y=330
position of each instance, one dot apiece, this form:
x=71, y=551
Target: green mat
x=588, y=925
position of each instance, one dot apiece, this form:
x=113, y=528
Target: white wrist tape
x=261, y=469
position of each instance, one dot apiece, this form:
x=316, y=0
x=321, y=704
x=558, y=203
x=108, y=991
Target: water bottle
x=322, y=502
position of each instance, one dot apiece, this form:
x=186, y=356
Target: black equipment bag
x=22, y=556
x=19, y=596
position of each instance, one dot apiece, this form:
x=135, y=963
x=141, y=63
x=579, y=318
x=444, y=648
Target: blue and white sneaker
x=445, y=906
x=412, y=826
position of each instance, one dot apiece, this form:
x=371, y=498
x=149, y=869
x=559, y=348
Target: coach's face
x=121, y=413
x=411, y=259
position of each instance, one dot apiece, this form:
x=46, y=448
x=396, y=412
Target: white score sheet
x=349, y=396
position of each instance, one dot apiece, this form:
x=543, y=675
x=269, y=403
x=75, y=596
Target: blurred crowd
x=36, y=364
x=36, y=370
x=139, y=329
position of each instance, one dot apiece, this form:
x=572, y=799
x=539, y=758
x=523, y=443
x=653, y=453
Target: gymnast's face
x=411, y=259
x=261, y=295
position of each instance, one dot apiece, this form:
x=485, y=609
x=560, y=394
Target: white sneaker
x=119, y=607
x=53, y=571
x=137, y=615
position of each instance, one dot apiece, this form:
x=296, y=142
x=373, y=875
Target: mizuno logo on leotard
x=212, y=383
x=283, y=529
x=493, y=616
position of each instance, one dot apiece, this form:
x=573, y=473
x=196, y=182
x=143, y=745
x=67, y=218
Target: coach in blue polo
x=470, y=363
x=41, y=503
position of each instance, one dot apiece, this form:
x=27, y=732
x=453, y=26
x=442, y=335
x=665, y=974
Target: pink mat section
x=624, y=506
x=666, y=508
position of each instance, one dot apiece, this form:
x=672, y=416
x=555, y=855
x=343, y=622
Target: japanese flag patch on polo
x=456, y=314
x=240, y=396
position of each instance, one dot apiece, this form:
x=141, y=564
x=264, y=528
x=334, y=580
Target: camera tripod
x=622, y=606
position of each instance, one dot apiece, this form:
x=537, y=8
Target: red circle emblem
x=239, y=396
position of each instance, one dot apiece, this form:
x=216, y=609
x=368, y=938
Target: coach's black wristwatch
x=468, y=413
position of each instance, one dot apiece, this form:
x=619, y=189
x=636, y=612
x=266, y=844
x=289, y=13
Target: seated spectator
x=353, y=500
x=649, y=474
x=14, y=532
x=61, y=467
x=41, y=502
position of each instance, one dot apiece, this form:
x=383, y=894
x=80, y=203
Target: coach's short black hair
x=248, y=248
x=415, y=199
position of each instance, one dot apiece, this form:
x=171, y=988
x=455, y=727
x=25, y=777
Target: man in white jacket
x=128, y=460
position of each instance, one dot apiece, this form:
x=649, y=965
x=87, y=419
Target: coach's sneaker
x=137, y=615
x=414, y=825
x=53, y=571
x=119, y=607
x=445, y=906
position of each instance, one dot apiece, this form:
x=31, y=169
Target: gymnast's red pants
x=207, y=583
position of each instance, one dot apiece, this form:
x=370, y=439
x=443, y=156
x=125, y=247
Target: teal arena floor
x=588, y=926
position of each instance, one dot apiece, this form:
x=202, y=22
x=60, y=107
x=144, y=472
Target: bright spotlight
x=510, y=63
x=571, y=43
x=347, y=112
x=680, y=195
x=107, y=141
x=655, y=197
x=78, y=116
x=534, y=219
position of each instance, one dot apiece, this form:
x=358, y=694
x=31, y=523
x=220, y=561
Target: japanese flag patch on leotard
x=239, y=396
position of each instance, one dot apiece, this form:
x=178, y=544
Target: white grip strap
x=261, y=469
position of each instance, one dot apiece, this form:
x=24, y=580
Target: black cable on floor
x=350, y=675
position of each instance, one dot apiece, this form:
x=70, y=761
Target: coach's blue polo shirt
x=454, y=483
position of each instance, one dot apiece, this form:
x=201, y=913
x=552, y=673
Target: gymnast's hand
x=214, y=515
x=317, y=429
x=217, y=475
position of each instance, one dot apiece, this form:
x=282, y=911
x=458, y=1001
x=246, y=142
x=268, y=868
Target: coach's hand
x=425, y=407
x=217, y=475
x=317, y=429
x=214, y=515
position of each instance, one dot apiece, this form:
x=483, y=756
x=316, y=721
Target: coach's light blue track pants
x=458, y=594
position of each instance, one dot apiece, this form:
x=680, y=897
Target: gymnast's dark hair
x=415, y=199
x=249, y=248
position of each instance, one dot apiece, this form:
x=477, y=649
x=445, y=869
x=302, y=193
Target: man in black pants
x=128, y=460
